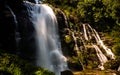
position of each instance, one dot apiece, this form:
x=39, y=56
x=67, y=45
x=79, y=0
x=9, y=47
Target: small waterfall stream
x=90, y=33
x=100, y=42
x=17, y=34
x=75, y=40
x=85, y=33
x=103, y=59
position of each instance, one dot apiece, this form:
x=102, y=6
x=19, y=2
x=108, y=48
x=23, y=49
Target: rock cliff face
x=14, y=20
x=7, y=27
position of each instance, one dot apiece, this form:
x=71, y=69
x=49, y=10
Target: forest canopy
x=103, y=14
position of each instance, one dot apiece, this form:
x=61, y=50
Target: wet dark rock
x=62, y=20
x=75, y=66
x=8, y=25
x=33, y=1
x=66, y=72
x=8, y=28
x=62, y=26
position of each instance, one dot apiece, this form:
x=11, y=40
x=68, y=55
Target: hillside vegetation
x=103, y=15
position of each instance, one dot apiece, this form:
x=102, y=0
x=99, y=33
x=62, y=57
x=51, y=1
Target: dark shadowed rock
x=8, y=25
x=5, y=73
x=62, y=25
x=8, y=28
x=66, y=72
x=33, y=1
x=62, y=20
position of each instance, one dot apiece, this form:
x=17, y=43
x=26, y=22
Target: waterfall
x=85, y=33
x=76, y=49
x=75, y=40
x=49, y=54
x=101, y=57
x=90, y=33
x=17, y=34
x=98, y=40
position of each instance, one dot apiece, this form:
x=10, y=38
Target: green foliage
x=115, y=34
x=7, y=65
x=98, y=13
x=12, y=65
x=116, y=49
x=103, y=15
x=75, y=60
x=43, y=72
x=113, y=64
x=68, y=38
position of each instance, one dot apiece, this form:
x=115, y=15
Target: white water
x=107, y=50
x=36, y=1
x=49, y=54
x=75, y=40
x=94, y=33
x=102, y=57
x=89, y=32
x=85, y=33
x=118, y=68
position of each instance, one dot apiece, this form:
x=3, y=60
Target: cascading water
x=90, y=33
x=107, y=50
x=99, y=41
x=85, y=33
x=103, y=59
x=49, y=54
x=75, y=40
